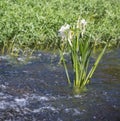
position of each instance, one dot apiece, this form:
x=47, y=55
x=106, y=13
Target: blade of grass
x=66, y=70
x=94, y=66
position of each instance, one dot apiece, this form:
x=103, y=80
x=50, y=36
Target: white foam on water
x=3, y=104
x=7, y=104
x=42, y=98
x=21, y=59
x=1, y=94
x=76, y=112
x=24, y=71
x=73, y=111
x=38, y=98
x=39, y=55
x=2, y=86
x=42, y=109
x=5, y=96
x=21, y=101
x=78, y=96
x=4, y=57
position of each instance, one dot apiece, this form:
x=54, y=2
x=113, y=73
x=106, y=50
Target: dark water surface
x=37, y=90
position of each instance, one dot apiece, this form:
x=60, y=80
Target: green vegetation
x=80, y=47
x=34, y=23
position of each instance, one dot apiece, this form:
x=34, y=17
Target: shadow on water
x=37, y=90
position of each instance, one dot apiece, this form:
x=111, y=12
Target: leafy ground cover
x=35, y=23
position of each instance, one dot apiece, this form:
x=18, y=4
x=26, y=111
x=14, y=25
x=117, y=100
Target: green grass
x=34, y=23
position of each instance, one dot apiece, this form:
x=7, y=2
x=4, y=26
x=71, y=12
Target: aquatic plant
x=80, y=48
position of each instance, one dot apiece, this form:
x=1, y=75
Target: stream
x=37, y=90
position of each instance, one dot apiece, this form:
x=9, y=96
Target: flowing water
x=37, y=90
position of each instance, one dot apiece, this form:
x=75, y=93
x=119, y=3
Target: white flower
x=83, y=22
x=63, y=31
x=70, y=37
x=83, y=25
x=64, y=28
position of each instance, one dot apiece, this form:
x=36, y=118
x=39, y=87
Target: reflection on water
x=37, y=91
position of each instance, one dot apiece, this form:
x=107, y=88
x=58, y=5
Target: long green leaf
x=66, y=70
x=94, y=66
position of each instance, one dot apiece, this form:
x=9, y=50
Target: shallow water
x=37, y=90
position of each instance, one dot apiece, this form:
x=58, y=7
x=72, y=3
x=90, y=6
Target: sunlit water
x=37, y=90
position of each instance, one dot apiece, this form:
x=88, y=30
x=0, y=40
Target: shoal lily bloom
x=70, y=37
x=83, y=25
x=83, y=22
x=78, y=23
x=63, y=31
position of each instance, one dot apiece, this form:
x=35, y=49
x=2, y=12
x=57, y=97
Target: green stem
x=66, y=70
x=94, y=66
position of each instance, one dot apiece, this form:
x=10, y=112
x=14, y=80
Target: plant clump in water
x=80, y=47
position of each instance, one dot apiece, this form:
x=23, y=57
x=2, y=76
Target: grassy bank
x=34, y=23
